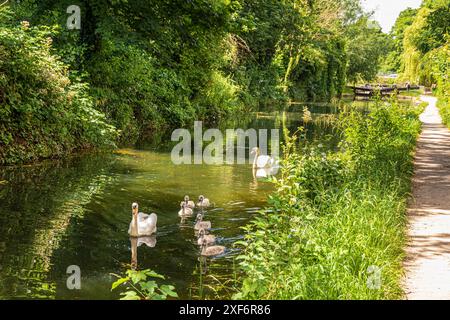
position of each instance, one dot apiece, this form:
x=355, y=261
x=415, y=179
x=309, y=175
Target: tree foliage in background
x=394, y=59
x=155, y=65
x=367, y=47
x=427, y=35
x=152, y=65
x=43, y=113
x=426, y=54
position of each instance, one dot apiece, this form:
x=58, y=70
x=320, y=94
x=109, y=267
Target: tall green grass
x=444, y=109
x=337, y=218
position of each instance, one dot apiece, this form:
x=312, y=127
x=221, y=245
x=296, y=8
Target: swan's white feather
x=187, y=212
x=146, y=224
x=264, y=161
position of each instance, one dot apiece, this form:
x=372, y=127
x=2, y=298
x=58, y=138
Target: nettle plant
x=139, y=286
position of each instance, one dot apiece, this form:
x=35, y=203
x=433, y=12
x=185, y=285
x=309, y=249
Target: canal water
x=76, y=211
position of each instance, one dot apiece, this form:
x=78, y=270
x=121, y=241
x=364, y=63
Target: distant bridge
x=383, y=90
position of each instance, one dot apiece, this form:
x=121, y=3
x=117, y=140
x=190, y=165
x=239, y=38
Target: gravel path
x=427, y=263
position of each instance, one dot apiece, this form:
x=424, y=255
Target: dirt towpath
x=427, y=263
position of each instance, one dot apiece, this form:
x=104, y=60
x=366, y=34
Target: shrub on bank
x=42, y=113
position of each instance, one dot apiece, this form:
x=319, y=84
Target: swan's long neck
x=134, y=226
x=203, y=248
x=255, y=159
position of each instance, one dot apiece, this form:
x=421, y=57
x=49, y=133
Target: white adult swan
x=141, y=224
x=261, y=161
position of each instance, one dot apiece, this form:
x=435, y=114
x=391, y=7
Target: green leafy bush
x=138, y=288
x=440, y=59
x=335, y=217
x=383, y=138
x=43, y=113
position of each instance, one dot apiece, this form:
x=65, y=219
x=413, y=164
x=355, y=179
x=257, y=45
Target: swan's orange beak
x=134, y=208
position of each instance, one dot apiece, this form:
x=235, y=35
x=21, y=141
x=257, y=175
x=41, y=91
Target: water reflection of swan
x=189, y=203
x=263, y=172
x=137, y=242
x=141, y=224
x=148, y=241
x=203, y=266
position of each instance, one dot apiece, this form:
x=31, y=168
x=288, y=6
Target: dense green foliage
x=441, y=70
x=427, y=35
x=366, y=51
x=43, y=113
x=290, y=49
x=426, y=53
x=155, y=65
x=336, y=215
x=151, y=64
x=393, y=62
x=337, y=218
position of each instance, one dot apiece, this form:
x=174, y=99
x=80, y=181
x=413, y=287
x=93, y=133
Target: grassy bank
x=444, y=109
x=337, y=218
x=441, y=72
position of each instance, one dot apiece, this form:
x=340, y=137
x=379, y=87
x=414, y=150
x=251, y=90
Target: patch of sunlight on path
x=427, y=262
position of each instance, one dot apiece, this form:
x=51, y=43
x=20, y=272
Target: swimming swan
x=212, y=250
x=203, y=202
x=202, y=236
x=141, y=224
x=261, y=161
x=189, y=203
x=185, y=211
x=202, y=224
